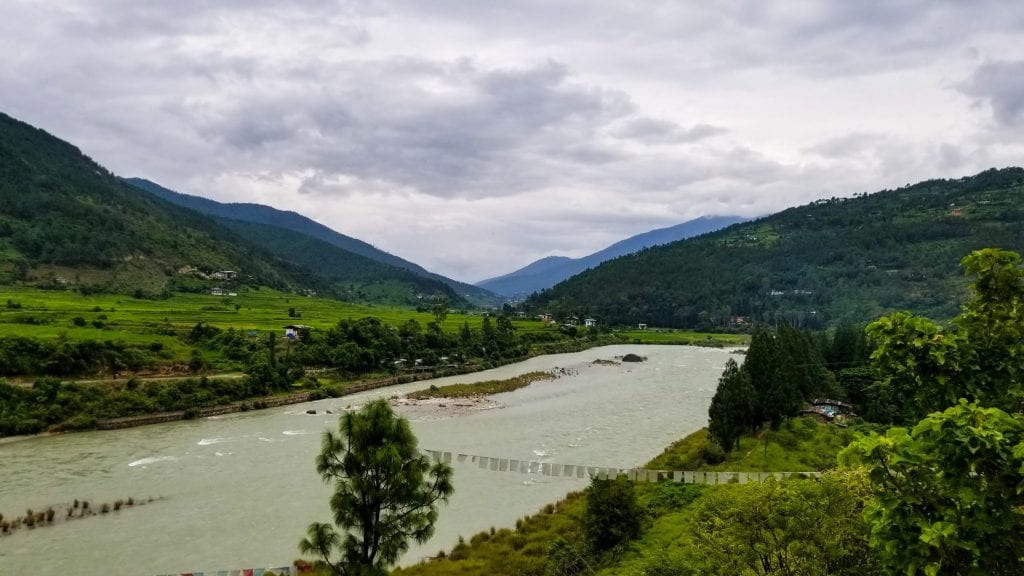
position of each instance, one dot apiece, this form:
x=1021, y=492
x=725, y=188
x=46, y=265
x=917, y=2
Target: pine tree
x=385, y=493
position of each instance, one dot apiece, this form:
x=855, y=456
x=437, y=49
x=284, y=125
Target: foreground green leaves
x=799, y=527
x=948, y=492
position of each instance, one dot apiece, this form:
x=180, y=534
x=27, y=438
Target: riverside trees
x=781, y=371
x=385, y=493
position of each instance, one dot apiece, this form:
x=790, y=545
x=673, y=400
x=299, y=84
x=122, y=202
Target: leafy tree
x=924, y=367
x=612, y=516
x=732, y=406
x=792, y=528
x=385, y=493
x=801, y=366
x=948, y=492
x=848, y=347
x=439, y=309
x=196, y=362
x=487, y=335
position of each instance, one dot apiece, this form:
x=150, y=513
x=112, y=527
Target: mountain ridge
x=68, y=223
x=290, y=220
x=548, y=271
x=846, y=259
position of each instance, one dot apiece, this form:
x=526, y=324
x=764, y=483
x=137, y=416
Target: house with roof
x=294, y=331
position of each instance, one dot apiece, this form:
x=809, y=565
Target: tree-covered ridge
x=62, y=211
x=354, y=276
x=839, y=259
x=65, y=221
x=547, y=272
x=297, y=223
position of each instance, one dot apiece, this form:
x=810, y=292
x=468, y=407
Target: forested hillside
x=68, y=223
x=65, y=220
x=840, y=259
x=294, y=222
x=355, y=277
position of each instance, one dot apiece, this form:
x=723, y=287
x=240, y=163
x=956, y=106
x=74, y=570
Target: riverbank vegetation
x=482, y=388
x=615, y=527
x=68, y=334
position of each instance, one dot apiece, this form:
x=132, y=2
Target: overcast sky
x=475, y=137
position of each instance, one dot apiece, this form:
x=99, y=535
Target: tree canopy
x=948, y=495
x=385, y=493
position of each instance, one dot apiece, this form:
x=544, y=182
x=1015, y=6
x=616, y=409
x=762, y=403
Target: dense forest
x=62, y=214
x=833, y=260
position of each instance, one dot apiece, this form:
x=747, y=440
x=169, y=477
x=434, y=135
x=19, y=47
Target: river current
x=239, y=490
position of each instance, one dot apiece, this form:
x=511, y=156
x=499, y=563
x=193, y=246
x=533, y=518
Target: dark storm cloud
x=1000, y=86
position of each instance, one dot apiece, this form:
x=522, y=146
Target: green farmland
x=35, y=313
x=47, y=314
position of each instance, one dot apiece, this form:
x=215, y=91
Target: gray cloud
x=1000, y=86
x=654, y=131
x=521, y=129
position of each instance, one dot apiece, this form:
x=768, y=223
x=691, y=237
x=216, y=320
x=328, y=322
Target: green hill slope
x=66, y=222
x=356, y=277
x=839, y=259
x=260, y=214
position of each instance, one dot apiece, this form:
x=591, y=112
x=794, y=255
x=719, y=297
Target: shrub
x=612, y=515
x=712, y=453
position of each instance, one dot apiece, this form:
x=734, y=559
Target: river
x=239, y=490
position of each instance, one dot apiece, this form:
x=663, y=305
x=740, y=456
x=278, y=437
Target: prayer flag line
x=538, y=467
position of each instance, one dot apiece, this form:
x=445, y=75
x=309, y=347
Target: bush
x=612, y=516
x=712, y=453
x=80, y=422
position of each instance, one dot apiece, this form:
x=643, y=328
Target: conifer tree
x=385, y=493
x=732, y=407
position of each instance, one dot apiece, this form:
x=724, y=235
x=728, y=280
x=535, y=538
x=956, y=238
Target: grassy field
x=32, y=312
x=47, y=314
x=799, y=445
